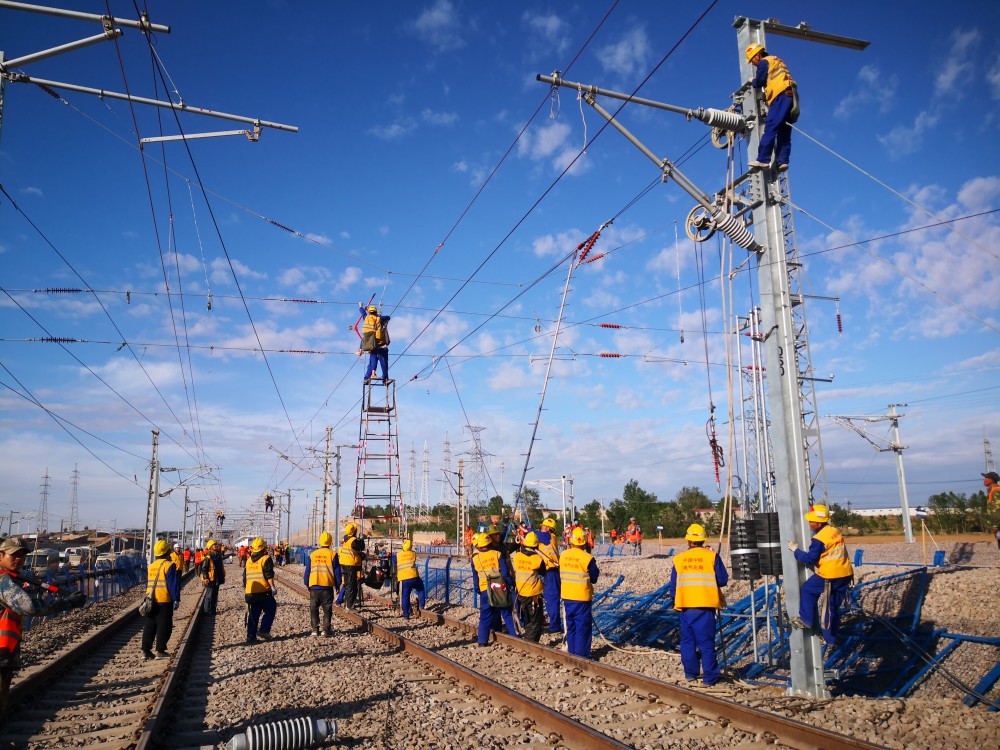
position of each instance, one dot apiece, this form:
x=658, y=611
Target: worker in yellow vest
x=409, y=579
x=548, y=548
x=529, y=572
x=163, y=583
x=177, y=557
x=212, y=576
x=578, y=573
x=320, y=580
x=827, y=555
x=351, y=554
x=696, y=585
x=495, y=586
x=258, y=585
x=781, y=95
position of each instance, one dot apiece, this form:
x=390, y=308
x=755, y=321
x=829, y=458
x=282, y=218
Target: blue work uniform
x=698, y=586
x=828, y=556
x=551, y=583
x=777, y=130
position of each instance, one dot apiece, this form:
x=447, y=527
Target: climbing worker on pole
x=213, y=575
x=163, y=583
x=578, y=573
x=18, y=599
x=409, y=579
x=351, y=554
x=529, y=568
x=258, y=585
x=696, y=585
x=495, y=586
x=782, y=98
x=823, y=594
x=548, y=548
x=318, y=578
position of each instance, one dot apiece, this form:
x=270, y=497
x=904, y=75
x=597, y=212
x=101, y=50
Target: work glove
x=77, y=599
x=793, y=546
x=176, y=606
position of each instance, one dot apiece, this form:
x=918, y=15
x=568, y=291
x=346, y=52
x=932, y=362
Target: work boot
x=798, y=623
x=758, y=164
x=782, y=167
x=148, y=655
x=315, y=634
x=162, y=655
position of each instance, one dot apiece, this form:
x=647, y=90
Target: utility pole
x=184, y=519
x=459, y=512
x=149, y=533
x=336, y=508
x=325, y=515
x=761, y=195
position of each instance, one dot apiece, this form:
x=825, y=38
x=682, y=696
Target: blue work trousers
x=490, y=619
x=405, y=587
x=829, y=622
x=777, y=131
x=579, y=627
x=266, y=606
x=552, y=598
x=698, y=637
x=378, y=356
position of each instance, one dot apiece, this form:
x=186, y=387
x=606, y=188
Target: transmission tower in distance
x=74, y=502
x=43, y=505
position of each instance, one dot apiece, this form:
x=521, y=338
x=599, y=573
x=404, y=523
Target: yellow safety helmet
x=696, y=533
x=754, y=49
x=578, y=538
x=492, y=530
x=161, y=547
x=818, y=514
x=372, y=308
x=531, y=540
x=258, y=545
x=350, y=529
x=549, y=523
x=407, y=545
x=325, y=539
x=481, y=540
x=211, y=543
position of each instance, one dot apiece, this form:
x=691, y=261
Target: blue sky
x=428, y=171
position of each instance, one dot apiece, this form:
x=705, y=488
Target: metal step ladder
x=378, y=474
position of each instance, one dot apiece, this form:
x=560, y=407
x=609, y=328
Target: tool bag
x=496, y=592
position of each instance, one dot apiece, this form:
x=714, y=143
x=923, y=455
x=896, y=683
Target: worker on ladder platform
x=578, y=573
x=782, y=98
x=696, y=586
x=827, y=554
x=548, y=548
x=375, y=341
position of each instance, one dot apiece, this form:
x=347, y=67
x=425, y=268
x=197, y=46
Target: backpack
x=382, y=331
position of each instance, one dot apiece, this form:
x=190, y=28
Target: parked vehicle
x=80, y=557
x=42, y=562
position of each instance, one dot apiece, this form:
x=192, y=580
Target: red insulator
x=611, y=325
x=596, y=257
x=610, y=355
x=840, y=324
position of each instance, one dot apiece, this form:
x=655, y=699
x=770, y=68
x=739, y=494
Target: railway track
x=620, y=707
x=100, y=690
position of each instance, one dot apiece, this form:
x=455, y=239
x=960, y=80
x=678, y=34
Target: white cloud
x=629, y=55
x=550, y=29
x=222, y=274
x=511, y=375
x=390, y=132
x=543, y=142
x=956, y=64
x=32, y=191
x=438, y=118
x=556, y=244
x=904, y=140
x=979, y=193
x=993, y=79
x=873, y=89
x=440, y=27
x=319, y=239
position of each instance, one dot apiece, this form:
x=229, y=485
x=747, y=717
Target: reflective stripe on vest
x=348, y=557
x=487, y=563
x=321, y=568
x=527, y=573
x=256, y=583
x=406, y=565
x=833, y=563
x=778, y=78
x=549, y=551
x=696, y=584
x=574, y=579
x=156, y=580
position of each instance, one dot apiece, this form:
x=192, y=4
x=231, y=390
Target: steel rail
x=565, y=730
x=788, y=731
